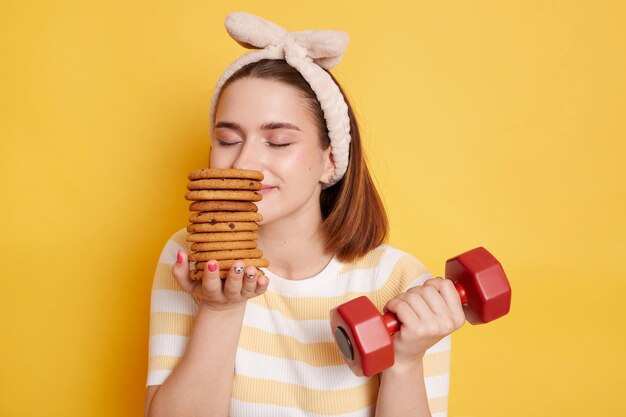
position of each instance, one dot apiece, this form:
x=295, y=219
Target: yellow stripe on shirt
x=370, y=260
x=164, y=278
x=436, y=363
x=317, y=308
x=163, y=362
x=286, y=347
x=177, y=324
x=283, y=394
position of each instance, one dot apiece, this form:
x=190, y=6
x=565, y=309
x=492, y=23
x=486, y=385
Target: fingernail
x=238, y=269
x=179, y=257
x=212, y=266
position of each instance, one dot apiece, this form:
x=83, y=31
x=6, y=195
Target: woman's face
x=265, y=126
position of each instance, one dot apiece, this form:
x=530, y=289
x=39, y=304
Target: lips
x=266, y=189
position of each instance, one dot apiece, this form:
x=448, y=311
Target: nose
x=248, y=157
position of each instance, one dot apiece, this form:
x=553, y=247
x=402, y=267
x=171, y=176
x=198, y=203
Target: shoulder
x=396, y=272
x=386, y=257
x=406, y=267
x=180, y=237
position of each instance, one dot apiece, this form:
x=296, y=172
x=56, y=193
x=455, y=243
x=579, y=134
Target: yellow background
x=495, y=123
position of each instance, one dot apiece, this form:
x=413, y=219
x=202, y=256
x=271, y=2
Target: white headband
x=309, y=52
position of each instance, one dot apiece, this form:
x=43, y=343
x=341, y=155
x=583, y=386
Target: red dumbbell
x=364, y=335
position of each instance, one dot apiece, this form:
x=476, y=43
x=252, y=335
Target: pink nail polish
x=179, y=257
x=212, y=266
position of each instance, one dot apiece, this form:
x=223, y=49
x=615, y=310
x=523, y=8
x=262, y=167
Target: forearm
x=201, y=383
x=402, y=392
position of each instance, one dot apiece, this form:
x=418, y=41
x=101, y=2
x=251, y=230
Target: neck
x=295, y=246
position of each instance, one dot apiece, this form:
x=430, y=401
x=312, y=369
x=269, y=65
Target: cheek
x=220, y=159
x=286, y=166
x=305, y=167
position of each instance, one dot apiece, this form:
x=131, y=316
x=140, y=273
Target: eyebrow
x=264, y=126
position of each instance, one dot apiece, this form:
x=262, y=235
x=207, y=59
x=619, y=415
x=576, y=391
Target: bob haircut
x=354, y=218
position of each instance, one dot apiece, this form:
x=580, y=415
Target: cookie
x=236, y=195
x=197, y=275
x=223, y=227
x=225, y=216
x=227, y=263
x=225, y=254
x=222, y=236
x=219, y=246
x=224, y=184
x=223, y=206
x=208, y=173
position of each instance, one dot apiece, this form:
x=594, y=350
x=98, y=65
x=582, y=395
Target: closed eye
x=224, y=143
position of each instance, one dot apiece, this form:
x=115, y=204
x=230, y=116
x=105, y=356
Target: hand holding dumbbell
x=364, y=335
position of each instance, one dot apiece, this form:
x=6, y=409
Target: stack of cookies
x=224, y=226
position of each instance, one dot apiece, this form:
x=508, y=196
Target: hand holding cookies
x=241, y=283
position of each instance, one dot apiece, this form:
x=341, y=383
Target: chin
x=262, y=211
x=269, y=215
x=264, y=222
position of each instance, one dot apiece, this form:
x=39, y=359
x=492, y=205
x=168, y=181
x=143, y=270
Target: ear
x=329, y=165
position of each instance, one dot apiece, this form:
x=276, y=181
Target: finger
x=232, y=286
x=418, y=304
x=428, y=322
x=248, y=286
x=180, y=270
x=211, y=282
x=391, y=305
x=447, y=291
x=405, y=314
x=434, y=300
x=262, y=283
x=451, y=297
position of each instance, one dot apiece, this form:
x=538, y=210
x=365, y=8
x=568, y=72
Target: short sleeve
x=172, y=312
x=397, y=272
x=403, y=271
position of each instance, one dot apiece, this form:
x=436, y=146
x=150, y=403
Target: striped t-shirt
x=287, y=363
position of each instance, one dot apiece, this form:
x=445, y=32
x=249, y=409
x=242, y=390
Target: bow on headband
x=311, y=53
x=324, y=47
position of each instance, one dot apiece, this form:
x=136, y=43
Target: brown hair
x=355, y=221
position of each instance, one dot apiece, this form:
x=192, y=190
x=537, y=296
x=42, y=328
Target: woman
x=261, y=345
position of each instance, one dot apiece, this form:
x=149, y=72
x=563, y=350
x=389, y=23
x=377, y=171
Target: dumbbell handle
x=391, y=320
